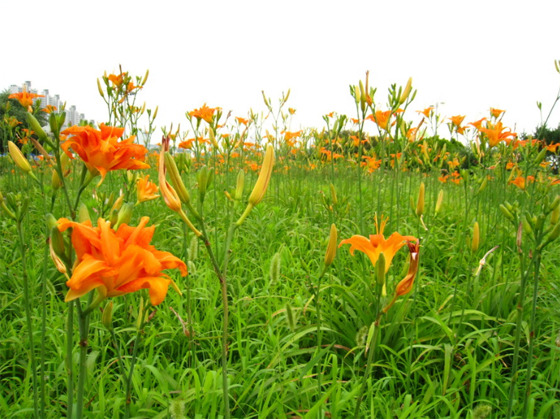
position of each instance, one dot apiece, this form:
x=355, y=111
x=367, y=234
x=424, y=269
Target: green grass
x=445, y=350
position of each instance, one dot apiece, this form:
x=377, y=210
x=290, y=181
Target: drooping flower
x=118, y=262
x=24, y=98
x=145, y=189
x=101, y=149
x=377, y=244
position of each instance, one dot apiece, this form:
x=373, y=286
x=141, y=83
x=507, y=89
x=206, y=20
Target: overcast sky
x=468, y=55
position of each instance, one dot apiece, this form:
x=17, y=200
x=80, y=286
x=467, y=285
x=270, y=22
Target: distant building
x=73, y=117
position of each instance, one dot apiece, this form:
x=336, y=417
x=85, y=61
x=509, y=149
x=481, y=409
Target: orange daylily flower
x=427, y=112
x=117, y=80
x=478, y=124
x=204, y=112
x=118, y=262
x=381, y=119
x=25, y=99
x=552, y=147
x=289, y=135
x=456, y=122
x=100, y=149
x=49, y=109
x=520, y=182
x=377, y=244
x=145, y=189
x=496, y=112
x=496, y=133
x=242, y=120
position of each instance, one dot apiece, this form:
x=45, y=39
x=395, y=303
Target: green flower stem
x=69, y=360
x=137, y=341
x=515, y=364
x=532, y=333
x=83, y=325
x=370, y=359
x=28, y=305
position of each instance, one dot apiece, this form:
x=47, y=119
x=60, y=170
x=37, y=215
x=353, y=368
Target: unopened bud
x=439, y=201
x=83, y=213
x=331, y=248
x=124, y=215
x=176, y=179
x=476, y=237
x=334, y=198
x=420, y=202
x=406, y=91
x=107, y=316
x=100, y=89
x=240, y=185
x=507, y=213
x=35, y=126
x=264, y=177
x=18, y=157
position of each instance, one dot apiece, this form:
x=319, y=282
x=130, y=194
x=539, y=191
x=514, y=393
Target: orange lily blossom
x=377, y=244
x=496, y=112
x=118, y=262
x=100, y=149
x=204, y=112
x=496, y=133
x=381, y=118
x=25, y=99
x=146, y=190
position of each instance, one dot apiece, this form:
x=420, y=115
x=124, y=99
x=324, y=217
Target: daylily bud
x=555, y=216
x=57, y=241
x=333, y=195
x=212, y=137
x=155, y=113
x=124, y=215
x=5, y=208
x=264, y=177
x=265, y=99
x=541, y=155
x=406, y=91
x=35, y=126
x=240, y=185
x=100, y=89
x=476, y=237
x=145, y=77
x=439, y=201
x=83, y=213
x=176, y=180
x=204, y=176
x=331, y=248
x=56, y=183
x=107, y=316
x=356, y=94
x=420, y=203
x=168, y=194
x=18, y=157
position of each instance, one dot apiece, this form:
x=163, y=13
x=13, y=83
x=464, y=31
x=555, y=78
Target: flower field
x=393, y=263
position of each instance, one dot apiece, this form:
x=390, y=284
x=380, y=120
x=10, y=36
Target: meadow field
x=374, y=267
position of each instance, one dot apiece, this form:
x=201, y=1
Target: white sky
x=470, y=55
